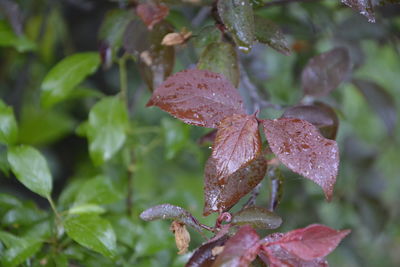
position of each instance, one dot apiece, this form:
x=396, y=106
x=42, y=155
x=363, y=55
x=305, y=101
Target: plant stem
x=53, y=207
x=123, y=79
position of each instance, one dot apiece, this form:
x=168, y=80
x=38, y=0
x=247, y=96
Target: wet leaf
x=203, y=256
x=301, y=148
x=168, y=211
x=381, y=101
x=30, y=168
x=269, y=33
x=92, y=232
x=68, y=73
x=238, y=18
x=324, y=72
x=222, y=195
x=240, y=250
x=257, y=217
x=319, y=114
x=364, y=7
x=8, y=125
x=312, y=242
x=221, y=58
x=106, y=131
x=198, y=97
x=152, y=13
x=182, y=236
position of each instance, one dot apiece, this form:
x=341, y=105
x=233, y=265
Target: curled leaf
x=198, y=97
x=176, y=38
x=300, y=147
x=203, y=256
x=182, y=236
x=257, y=217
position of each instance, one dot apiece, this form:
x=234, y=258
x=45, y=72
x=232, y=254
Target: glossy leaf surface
x=221, y=58
x=380, y=101
x=364, y=7
x=152, y=13
x=238, y=18
x=221, y=195
x=277, y=257
x=320, y=115
x=237, y=143
x=93, y=233
x=106, y=130
x=203, y=256
x=168, y=211
x=270, y=34
x=63, y=77
x=300, y=147
x=8, y=125
x=257, y=217
x=324, y=72
x=198, y=97
x=30, y=168
x=240, y=250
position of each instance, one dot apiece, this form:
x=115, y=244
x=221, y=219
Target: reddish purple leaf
x=203, y=256
x=300, y=147
x=198, y=97
x=320, y=115
x=313, y=241
x=363, y=6
x=151, y=14
x=237, y=142
x=222, y=195
x=240, y=250
x=325, y=72
x=276, y=256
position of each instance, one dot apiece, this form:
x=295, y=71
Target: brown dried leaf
x=182, y=236
x=198, y=97
x=152, y=13
x=300, y=147
x=176, y=38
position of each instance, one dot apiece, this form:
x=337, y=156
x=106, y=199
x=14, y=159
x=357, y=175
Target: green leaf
x=30, y=168
x=99, y=190
x=92, y=232
x=86, y=208
x=221, y=58
x=25, y=215
x=18, y=249
x=108, y=122
x=8, y=125
x=237, y=15
x=176, y=137
x=68, y=73
x=257, y=217
x=9, y=39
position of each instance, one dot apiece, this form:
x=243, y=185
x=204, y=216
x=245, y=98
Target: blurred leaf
x=300, y=147
x=8, y=125
x=68, y=73
x=319, y=114
x=363, y=6
x=176, y=136
x=4, y=165
x=113, y=27
x=125, y=229
x=324, y=72
x=257, y=217
x=25, y=215
x=237, y=143
x=152, y=13
x=206, y=36
x=18, y=249
x=108, y=123
x=13, y=13
x=9, y=39
x=240, y=250
x=30, y=168
x=221, y=58
x=238, y=18
x=86, y=208
x=381, y=101
x=192, y=103
x=146, y=245
x=168, y=211
x=33, y=121
x=223, y=195
x=269, y=33
x=93, y=233
x=99, y=190
x=8, y=201
x=203, y=256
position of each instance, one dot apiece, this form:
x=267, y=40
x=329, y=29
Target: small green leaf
x=68, y=73
x=221, y=58
x=8, y=125
x=86, y=208
x=92, y=232
x=108, y=122
x=237, y=15
x=257, y=217
x=18, y=249
x=99, y=190
x=30, y=168
x=9, y=39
